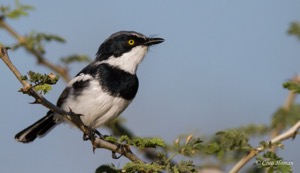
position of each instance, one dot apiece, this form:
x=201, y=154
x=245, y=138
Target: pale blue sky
x=222, y=66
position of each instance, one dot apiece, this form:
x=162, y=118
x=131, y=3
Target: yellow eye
x=130, y=42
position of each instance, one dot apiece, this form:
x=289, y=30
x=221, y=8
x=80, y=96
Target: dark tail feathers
x=38, y=129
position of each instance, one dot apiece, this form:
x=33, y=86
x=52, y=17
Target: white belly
x=96, y=106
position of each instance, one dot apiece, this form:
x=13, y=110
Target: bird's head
x=125, y=49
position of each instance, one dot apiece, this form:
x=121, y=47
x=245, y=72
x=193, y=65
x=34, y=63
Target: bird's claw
x=114, y=155
x=123, y=148
x=91, y=134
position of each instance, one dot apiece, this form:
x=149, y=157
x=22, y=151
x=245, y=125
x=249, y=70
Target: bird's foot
x=91, y=134
x=123, y=148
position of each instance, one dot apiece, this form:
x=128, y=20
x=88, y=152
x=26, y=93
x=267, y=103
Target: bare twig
x=290, y=133
x=37, y=54
x=71, y=116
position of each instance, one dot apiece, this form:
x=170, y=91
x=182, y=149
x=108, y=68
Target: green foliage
x=232, y=140
x=269, y=145
x=35, y=41
x=107, y=169
x=43, y=88
x=162, y=164
x=228, y=146
x=111, y=139
x=182, y=166
x=39, y=78
x=285, y=118
x=142, y=142
x=75, y=58
x=274, y=163
x=222, y=143
x=293, y=86
x=255, y=169
x=253, y=130
x=41, y=82
x=19, y=11
x=295, y=29
x=133, y=167
x=137, y=141
x=188, y=146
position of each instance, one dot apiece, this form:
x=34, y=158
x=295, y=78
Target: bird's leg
x=98, y=133
x=91, y=133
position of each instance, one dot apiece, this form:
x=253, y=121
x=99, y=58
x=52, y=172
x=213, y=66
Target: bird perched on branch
x=102, y=90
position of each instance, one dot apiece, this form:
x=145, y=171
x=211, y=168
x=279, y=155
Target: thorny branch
x=71, y=116
x=290, y=133
x=63, y=71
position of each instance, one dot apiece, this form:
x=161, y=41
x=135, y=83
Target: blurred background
x=221, y=66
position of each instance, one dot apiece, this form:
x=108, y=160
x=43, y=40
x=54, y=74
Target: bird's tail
x=38, y=129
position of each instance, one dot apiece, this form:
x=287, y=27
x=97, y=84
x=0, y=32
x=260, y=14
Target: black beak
x=152, y=41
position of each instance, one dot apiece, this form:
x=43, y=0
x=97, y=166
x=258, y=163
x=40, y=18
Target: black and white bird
x=102, y=90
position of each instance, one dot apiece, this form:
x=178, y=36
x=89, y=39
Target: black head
x=122, y=42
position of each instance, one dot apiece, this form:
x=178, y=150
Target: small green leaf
x=41, y=82
x=212, y=148
x=111, y=139
x=232, y=139
x=295, y=29
x=133, y=167
x=35, y=41
x=24, y=77
x=293, y=86
x=20, y=10
x=220, y=154
x=45, y=88
x=142, y=142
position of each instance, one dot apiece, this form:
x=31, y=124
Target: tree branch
x=37, y=54
x=286, y=107
x=290, y=133
x=71, y=116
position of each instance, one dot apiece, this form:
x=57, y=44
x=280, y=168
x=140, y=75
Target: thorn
x=73, y=113
x=70, y=109
x=94, y=144
x=294, y=135
x=94, y=148
x=36, y=101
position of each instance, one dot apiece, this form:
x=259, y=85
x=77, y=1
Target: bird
x=103, y=89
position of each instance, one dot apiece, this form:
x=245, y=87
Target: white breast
x=97, y=106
